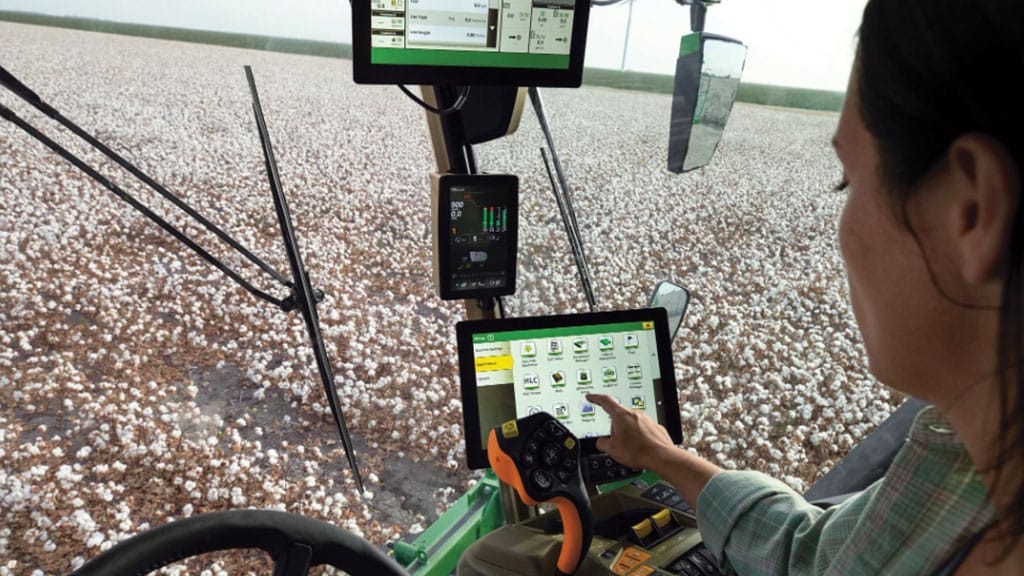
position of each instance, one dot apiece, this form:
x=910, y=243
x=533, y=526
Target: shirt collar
x=931, y=427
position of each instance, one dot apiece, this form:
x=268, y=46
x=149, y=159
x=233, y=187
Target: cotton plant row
x=139, y=385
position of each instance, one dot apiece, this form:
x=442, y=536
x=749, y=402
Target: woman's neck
x=975, y=412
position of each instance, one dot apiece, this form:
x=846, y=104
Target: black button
x=542, y=480
x=701, y=562
x=540, y=435
x=686, y=567
x=529, y=459
x=532, y=446
x=608, y=554
x=552, y=454
x=555, y=429
x=608, y=462
x=595, y=464
x=563, y=475
x=569, y=462
x=674, y=501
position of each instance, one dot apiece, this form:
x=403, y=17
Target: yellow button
x=570, y=443
x=662, y=518
x=648, y=325
x=510, y=429
x=643, y=529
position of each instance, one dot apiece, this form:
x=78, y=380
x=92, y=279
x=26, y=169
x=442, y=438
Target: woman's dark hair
x=930, y=71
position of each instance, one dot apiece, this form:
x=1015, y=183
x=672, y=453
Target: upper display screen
x=470, y=42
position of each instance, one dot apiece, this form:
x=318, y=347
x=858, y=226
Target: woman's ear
x=987, y=184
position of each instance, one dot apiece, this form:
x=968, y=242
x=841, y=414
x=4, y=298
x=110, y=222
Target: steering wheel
x=295, y=543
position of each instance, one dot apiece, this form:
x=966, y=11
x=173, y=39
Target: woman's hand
x=636, y=440
x=639, y=442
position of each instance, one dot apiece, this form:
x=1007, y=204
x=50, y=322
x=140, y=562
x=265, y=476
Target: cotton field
x=138, y=384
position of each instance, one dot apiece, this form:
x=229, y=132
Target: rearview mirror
x=708, y=75
x=673, y=298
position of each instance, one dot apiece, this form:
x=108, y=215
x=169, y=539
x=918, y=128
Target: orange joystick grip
x=540, y=458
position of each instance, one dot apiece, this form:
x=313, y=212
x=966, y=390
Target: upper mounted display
x=469, y=42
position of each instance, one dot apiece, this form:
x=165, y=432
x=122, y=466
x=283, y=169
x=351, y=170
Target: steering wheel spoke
x=295, y=561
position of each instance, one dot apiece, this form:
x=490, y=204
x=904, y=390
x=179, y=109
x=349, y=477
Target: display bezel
x=668, y=408
x=365, y=72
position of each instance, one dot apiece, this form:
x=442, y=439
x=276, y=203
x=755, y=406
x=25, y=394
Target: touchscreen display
x=522, y=370
x=486, y=33
x=480, y=237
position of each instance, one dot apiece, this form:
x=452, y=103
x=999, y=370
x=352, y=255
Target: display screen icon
x=587, y=410
x=631, y=341
x=561, y=411
x=579, y=345
x=638, y=402
x=634, y=372
x=554, y=347
x=609, y=374
x=528, y=349
x=531, y=381
x=558, y=379
x=583, y=376
x=605, y=343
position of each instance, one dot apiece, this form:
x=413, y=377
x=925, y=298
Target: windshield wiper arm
x=25, y=93
x=64, y=153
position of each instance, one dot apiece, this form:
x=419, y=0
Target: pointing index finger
x=606, y=402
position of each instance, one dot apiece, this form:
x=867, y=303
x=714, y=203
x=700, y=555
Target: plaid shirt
x=929, y=504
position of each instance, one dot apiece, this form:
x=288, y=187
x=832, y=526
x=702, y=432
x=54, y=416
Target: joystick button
x=552, y=454
x=563, y=475
x=529, y=459
x=555, y=429
x=542, y=479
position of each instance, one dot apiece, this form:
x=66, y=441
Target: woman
x=930, y=139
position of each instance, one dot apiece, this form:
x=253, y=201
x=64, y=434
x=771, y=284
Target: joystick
x=540, y=458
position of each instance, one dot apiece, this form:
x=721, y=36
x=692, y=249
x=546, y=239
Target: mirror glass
x=707, y=79
x=673, y=298
x=719, y=80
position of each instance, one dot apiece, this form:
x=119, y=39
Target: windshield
x=138, y=384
